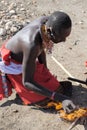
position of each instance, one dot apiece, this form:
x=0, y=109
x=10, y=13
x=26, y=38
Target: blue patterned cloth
x=4, y=82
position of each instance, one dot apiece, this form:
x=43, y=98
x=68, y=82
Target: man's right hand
x=68, y=106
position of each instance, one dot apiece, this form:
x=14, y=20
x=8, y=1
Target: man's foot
x=18, y=100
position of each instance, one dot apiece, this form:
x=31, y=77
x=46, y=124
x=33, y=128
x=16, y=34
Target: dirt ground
x=71, y=55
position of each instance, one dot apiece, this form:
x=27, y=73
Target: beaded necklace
x=47, y=43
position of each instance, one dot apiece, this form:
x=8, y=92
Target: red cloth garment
x=5, y=54
x=42, y=76
x=86, y=63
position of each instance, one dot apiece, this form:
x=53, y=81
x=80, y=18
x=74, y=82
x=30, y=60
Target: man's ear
x=49, y=32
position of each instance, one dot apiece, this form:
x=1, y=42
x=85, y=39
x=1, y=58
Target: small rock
x=2, y=32
x=12, y=12
x=14, y=29
x=14, y=17
x=22, y=9
x=12, y=5
x=8, y=25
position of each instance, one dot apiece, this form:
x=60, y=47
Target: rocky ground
x=70, y=57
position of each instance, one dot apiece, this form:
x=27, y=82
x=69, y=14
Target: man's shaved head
x=59, y=24
x=58, y=20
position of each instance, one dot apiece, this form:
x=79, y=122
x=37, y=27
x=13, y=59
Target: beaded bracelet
x=52, y=96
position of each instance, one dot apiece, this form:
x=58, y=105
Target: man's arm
x=28, y=80
x=29, y=59
x=42, y=58
x=29, y=62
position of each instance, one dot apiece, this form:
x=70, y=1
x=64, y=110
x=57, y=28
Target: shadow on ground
x=79, y=97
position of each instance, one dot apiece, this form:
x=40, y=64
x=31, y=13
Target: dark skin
x=31, y=49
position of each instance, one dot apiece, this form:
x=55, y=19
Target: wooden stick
x=73, y=124
x=62, y=67
x=78, y=80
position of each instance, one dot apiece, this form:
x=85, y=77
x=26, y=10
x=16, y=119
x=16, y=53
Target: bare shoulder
x=26, y=37
x=19, y=41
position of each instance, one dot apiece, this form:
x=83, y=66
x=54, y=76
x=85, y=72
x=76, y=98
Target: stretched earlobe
x=50, y=33
x=48, y=30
